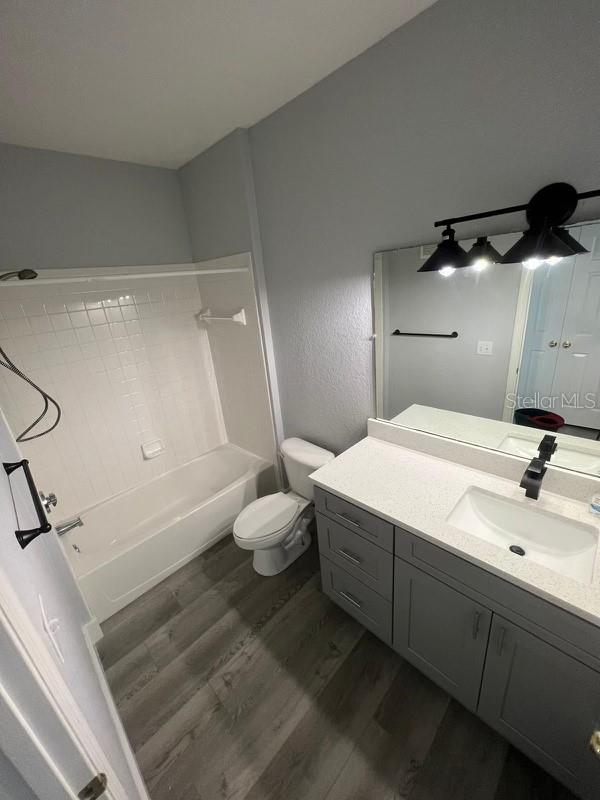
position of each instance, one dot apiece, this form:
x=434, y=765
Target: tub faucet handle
x=48, y=501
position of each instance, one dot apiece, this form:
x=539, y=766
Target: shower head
x=22, y=275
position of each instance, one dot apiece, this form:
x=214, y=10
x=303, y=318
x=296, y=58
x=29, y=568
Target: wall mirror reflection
x=495, y=355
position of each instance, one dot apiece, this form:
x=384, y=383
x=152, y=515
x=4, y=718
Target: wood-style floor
x=231, y=685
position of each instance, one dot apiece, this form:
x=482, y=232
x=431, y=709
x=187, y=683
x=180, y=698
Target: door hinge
x=95, y=788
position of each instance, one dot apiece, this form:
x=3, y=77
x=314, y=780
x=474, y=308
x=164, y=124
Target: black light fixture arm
x=499, y=211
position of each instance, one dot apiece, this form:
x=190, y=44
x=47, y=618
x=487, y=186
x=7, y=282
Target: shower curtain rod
x=128, y=276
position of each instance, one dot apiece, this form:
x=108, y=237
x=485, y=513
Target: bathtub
x=134, y=540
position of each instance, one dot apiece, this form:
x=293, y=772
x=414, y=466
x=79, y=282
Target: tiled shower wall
x=128, y=363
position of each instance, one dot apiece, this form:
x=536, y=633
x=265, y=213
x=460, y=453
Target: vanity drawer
x=365, y=605
x=373, y=528
x=362, y=559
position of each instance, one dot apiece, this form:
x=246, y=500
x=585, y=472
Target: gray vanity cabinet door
x=545, y=702
x=440, y=631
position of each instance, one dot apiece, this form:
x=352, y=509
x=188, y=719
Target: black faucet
x=536, y=469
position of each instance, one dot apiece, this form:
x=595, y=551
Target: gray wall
x=471, y=105
x=62, y=210
x=215, y=192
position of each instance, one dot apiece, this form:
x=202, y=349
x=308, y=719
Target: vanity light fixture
x=548, y=208
x=565, y=237
x=447, y=257
x=482, y=254
x=545, y=242
x=537, y=247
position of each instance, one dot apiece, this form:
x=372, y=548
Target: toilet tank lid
x=306, y=453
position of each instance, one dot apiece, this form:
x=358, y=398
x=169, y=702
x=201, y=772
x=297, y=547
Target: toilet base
x=274, y=560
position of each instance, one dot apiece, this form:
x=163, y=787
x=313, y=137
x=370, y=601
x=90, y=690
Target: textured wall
x=62, y=210
x=214, y=191
x=469, y=106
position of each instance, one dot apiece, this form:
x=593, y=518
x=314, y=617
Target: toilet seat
x=268, y=519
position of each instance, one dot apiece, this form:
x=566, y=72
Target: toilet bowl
x=275, y=527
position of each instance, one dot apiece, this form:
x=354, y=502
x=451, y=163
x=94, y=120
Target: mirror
x=498, y=357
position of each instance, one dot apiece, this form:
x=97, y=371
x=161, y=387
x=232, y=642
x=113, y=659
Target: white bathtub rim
x=259, y=465
x=127, y=547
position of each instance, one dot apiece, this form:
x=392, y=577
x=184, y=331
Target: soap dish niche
x=152, y=449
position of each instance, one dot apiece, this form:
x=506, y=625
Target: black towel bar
x=27, y=536
x=453, y=335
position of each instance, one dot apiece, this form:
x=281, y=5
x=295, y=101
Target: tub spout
x=64, y=527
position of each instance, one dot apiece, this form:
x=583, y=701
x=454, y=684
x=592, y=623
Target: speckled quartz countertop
x=418, y=491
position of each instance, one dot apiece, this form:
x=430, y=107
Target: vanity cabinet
x=527, y=667
x=441, y=631
x=545, y=702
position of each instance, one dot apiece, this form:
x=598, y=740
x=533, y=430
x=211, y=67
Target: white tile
x=40, y=324
x=90, y=350
x=60, y=321
x=75, y=303
x=93, y=302
x=19, y=327
x=79, y=319
x=101, y=332
x=129, y=312
x=72, y=353
x=107, y=346
x=119, y=380
x=97, y=317
x=11, y=309
x=32, y=308
x=85, y=335
x=114, y=314
x=66, y=338
x=117, y=329
x=111, y=362
x=55, y=306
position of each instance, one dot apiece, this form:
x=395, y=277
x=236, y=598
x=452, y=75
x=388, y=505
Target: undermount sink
x=553, y=541
x=563, y=457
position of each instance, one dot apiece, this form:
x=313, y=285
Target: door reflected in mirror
x=495, y=355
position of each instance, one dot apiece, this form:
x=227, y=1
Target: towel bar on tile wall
x=453, y=335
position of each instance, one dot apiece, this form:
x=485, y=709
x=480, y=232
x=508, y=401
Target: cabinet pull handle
x=349, y=519
x=501, y=638
x=595, y=743
x=476, y=623
x=350, y=556
x=351, y=599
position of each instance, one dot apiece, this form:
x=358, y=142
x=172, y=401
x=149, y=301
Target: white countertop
x=418, y=491
x=574, y=452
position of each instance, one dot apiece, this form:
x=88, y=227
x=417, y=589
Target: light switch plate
x=485, y=348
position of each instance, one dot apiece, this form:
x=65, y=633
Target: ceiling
x=158, y=81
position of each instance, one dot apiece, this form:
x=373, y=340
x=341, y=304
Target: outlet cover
x=485, y=348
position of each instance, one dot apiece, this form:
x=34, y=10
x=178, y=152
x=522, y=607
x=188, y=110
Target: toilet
x=276, y=526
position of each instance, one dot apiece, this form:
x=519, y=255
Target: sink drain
x=517, y=550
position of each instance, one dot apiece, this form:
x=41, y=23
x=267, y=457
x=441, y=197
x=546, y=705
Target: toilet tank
x=301, y=459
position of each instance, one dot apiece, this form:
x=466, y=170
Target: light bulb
x=480, y=264
x=446, y=271
x=553, y=260
x=533, y=263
